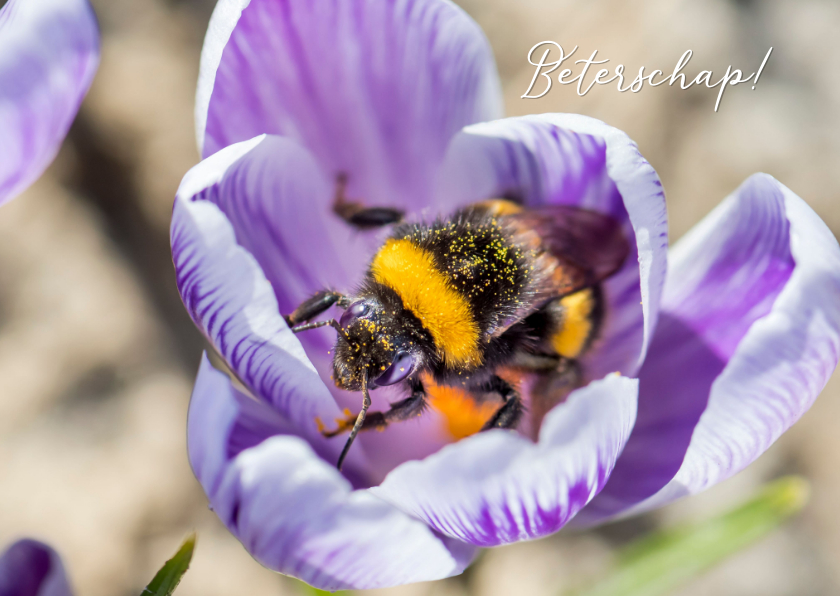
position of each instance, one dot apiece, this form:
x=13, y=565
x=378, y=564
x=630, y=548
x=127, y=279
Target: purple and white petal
x=278, y=201
x=498, y=487
x=32, y=568
x=575, y=160
x=748, y=336
x=49, y=51
x=375, y=89
x=228, y=296
x=297, y=514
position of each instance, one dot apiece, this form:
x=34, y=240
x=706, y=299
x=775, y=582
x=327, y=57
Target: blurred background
x=97, y=355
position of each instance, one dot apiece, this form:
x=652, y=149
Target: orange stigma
x=462, y=414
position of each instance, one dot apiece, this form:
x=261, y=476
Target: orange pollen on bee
x=462, y=414
x=428, y=294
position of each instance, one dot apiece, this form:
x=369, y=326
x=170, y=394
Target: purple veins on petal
x=405, y=77
x=293, y=511
x=229, y=298
x=498, y=487
x=748, y=337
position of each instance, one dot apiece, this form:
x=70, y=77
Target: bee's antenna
x=360, y=419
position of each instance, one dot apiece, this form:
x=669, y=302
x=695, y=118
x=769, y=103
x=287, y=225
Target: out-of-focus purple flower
x=49, y=51
x=31, y=568
x=717, y=360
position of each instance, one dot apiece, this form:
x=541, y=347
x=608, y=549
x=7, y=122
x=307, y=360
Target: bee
x=494, y=286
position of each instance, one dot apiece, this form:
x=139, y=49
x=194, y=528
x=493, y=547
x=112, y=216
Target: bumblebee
x=495, y=286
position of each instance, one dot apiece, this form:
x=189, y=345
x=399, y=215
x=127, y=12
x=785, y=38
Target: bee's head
x=376, y=341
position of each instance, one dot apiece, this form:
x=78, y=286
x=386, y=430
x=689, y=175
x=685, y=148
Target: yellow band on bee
x=426, y=292
x=570, y=340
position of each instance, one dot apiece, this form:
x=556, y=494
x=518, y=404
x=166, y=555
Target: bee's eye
x=355, y=311
x=399, y=370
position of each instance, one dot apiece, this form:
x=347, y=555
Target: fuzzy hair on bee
x=495, y=285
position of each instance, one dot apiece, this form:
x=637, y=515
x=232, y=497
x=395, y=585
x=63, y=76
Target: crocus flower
x=49, y=52
x=31, y=568
x=716, y=359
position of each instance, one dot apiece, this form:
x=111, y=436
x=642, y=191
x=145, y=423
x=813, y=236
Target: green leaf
x=660, y=563
x=169, y=576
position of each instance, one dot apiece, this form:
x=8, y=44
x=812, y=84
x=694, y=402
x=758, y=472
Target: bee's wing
x=588, y=245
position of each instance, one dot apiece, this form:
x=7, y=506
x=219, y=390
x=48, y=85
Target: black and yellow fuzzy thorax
x=459, y=277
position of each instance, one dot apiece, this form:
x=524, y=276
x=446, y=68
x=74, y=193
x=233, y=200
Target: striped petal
x=748, y=337
x=372, y=88
x=228, y=296
x=499, y=487
x=295, y=513
x=49, y=51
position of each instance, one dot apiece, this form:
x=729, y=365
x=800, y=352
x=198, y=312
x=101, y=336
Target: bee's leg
x=314, y=306
x=317, y=325
x=410, y=407
x=359, y=216
x=510, y=413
